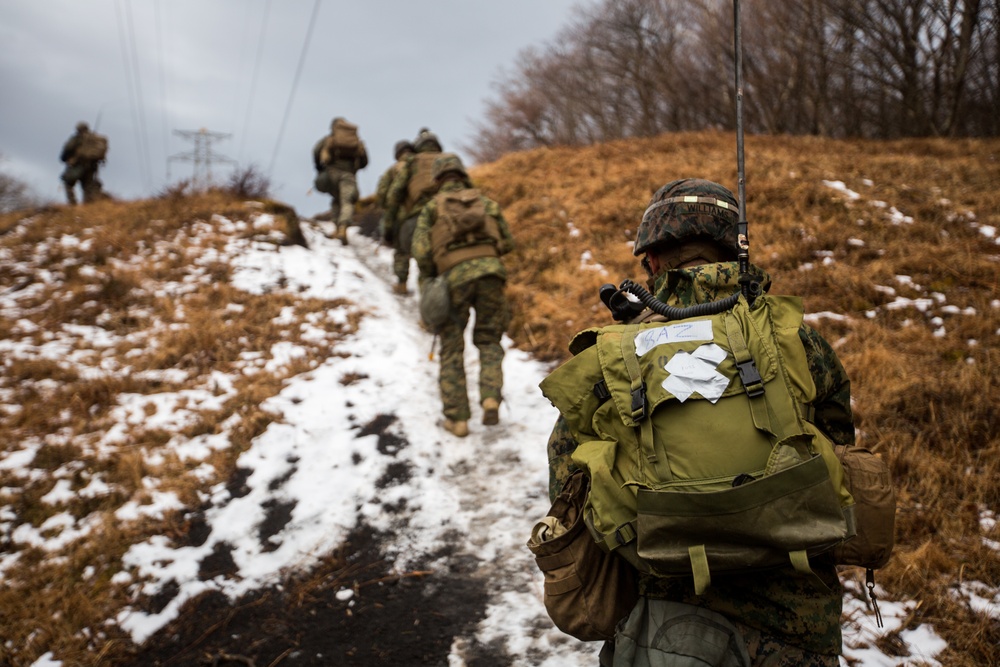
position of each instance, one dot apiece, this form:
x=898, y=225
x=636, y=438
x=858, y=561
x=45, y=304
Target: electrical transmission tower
x=203, y=156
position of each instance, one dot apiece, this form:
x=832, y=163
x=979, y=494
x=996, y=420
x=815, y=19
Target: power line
x=164, y=121
x=295, y=84
x=144, y=135
x=122, y=42
x=253, y=79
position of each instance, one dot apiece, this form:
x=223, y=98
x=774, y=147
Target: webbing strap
x=637, y=388
x=451, y=258
x=699, y=568
x=749, y=375
x=637, y=391
x=624, y=534
x=646, y=445
x=800, y=561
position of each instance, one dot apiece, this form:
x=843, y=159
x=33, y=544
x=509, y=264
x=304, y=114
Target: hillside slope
x=176, y=371
x=894, y=247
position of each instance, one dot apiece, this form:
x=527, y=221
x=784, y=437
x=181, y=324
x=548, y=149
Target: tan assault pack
x=463, y=230
x=93, y=147
x=421, y=186
x=342, y=142
x=698, y=440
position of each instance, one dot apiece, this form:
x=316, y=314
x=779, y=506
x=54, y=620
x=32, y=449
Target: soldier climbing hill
x=83, y=154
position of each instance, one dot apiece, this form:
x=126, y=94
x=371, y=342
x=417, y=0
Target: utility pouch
x=587, y=590
x=435, y=302
x=867, y=478
x=758, y=524
x=663, y=632
x=323, y=183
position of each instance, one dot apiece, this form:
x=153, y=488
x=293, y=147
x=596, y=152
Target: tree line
x=838, y=68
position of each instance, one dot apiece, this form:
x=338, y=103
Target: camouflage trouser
x=662, y=632
x=345, y=193
x=85, y=174
x=486, y=296
x=402, y=242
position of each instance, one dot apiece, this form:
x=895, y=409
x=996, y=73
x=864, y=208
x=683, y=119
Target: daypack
x=421, y=186
x=92, y=147
x=463, y=230
x=342, y=142
x=697, y=437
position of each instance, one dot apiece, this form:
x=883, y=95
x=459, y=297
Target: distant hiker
x=83, y=154
x=412, y=187
x=725, y=403
x=400, y=151
x=337, y=157
x=461, y=234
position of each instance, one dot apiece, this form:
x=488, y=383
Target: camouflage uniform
x=80, y=170
x=401, y=217
x=475, y=283
x=785, y=619
x=341, y=171
x=402, y=150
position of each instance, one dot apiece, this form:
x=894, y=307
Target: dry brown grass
x=925, y=398
x=928, y=403
x=144, y=272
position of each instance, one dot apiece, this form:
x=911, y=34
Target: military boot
x=70, y=195
x=400, y=288
x=342, y=234
x=459, y=429
x=491, y=412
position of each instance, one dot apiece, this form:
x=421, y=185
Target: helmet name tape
x=692, y=199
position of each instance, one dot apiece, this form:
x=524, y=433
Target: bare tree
x=875, y=68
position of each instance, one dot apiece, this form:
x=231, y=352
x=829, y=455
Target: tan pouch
x=867, y=478
x=587, y=590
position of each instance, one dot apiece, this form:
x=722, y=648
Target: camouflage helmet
x=424, y=140
x=448, y=163
x=688, y=209
x=401, y=147
x=82, y=126
x=337, y=121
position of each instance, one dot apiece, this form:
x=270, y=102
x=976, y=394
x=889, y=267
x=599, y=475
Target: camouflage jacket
x=470, y=269
x=384, y=182
x=782, y=603
x=395, y=198
x=69, y=149
x=348, y=164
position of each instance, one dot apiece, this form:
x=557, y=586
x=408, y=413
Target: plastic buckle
x=640, y=406
x=750, y=378
x=601, y=392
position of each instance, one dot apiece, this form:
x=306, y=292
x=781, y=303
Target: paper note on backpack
x=672, y=333
x=696, y=372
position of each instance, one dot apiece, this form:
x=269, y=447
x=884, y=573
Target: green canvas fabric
x=698, y=431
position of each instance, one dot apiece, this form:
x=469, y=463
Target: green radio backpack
x=697, y=438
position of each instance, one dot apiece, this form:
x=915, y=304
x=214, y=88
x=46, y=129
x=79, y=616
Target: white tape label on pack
x=647, y=339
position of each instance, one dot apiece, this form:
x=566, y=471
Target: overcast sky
x=140, y=70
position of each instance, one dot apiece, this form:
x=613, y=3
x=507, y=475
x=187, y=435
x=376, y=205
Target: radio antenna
x=749, y=287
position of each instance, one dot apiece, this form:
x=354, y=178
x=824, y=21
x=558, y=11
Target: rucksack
x=92, y=147
x=421, y=185
x=697, y=437
x=463, y=229
x=342, y=142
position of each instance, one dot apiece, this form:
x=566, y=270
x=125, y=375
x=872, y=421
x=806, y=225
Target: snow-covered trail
x=360, y=444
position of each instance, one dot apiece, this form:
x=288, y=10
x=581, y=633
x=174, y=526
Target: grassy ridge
x=906, y=277
x=921, y=350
